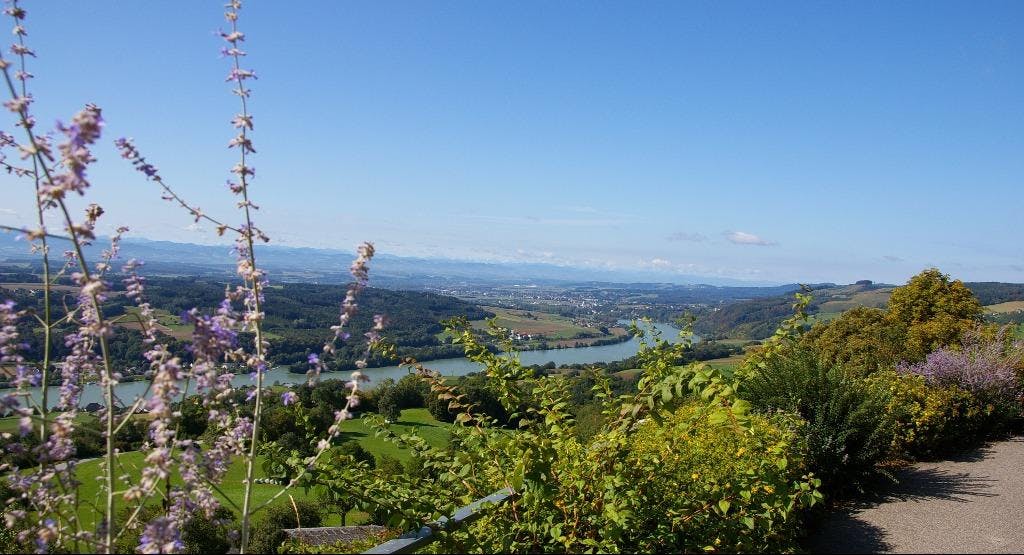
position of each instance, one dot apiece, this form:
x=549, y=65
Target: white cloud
x=892, y=258
x=660, y=263
x=684, y=236
x=538, y=256
x=8, y=212
x=744, y=238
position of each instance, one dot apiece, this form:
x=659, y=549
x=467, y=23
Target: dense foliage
x=200, y=535
x=750, y=478
x=296, y=314
x=268, y=535
x=597, y=493
x=847, y=433
x=929, y=312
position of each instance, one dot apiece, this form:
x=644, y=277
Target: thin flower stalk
x=248, y=269
x=129, y=152
x=18, y=15
x=85, y=129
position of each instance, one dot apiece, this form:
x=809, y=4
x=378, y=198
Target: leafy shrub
x=477, y=393
x=848, y=432
x=935, y=311
x=389, y=465
x=862, y=339
x=353, y=546
x=686, y=484
x=750, y=478
x=930, y=421
x=268, y=531
x=351, y=448
x=202, y=535
x=589, y=421
x=198, y=534
x=985, y=368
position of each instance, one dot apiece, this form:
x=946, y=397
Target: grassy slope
x=727, y=362
x=90, y=472
x=420, y=420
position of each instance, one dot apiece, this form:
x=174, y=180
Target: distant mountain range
x=293, y=264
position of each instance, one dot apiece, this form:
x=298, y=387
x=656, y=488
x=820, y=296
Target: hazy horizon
x=768, y=143
x=338, y=258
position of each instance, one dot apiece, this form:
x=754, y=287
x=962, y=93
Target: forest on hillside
x=298, y=316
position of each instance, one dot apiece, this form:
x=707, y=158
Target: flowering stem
x=31, y=233
x=47, y=324
x=108, y=393
x=321, y=449
x=256, y=284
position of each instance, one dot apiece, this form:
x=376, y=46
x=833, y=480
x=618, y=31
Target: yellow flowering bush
x=752, y=479
x=929, y=421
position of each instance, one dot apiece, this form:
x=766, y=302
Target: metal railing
x=411, y=541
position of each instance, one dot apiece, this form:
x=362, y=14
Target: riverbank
x=459, y=366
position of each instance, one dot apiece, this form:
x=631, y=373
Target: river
x=129, y=391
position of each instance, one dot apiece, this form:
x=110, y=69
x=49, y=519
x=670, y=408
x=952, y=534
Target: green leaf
x=749, y=521
x=724, y=505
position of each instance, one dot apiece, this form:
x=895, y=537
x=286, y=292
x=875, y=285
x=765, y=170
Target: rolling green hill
x=758, y=318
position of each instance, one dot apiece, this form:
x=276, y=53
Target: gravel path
x=970, y=504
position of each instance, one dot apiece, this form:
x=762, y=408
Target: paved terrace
x=969, y=504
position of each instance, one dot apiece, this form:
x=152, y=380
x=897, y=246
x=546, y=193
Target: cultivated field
x=166, y=323
x=36, y=287
x=874, y=298
x=551, y=326
x=1005, y=308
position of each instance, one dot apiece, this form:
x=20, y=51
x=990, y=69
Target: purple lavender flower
x=130, y=153
x=161, y=535
x=981, y=367
x=288, y=397
x=83, y=131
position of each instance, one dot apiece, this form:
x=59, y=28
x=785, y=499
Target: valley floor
x=970, y=504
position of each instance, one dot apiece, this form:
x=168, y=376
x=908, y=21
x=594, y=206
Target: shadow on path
x=919, y=484
x=845, y=531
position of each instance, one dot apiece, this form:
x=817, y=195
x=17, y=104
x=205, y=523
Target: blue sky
x=764, y=141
